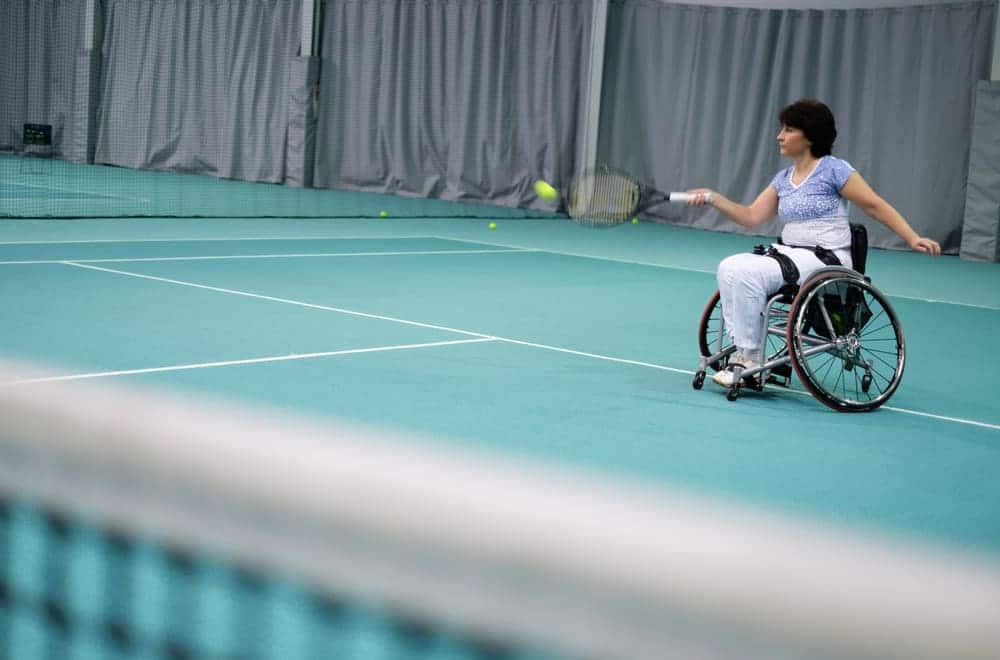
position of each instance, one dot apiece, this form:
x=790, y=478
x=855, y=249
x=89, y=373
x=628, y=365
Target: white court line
x=547, y=347
x=227, y=363
x=651, y=264
x=265, y=256
x=959, y=420
x=596, y=356
x=943, y=302
x=43, y=200
x=75, y=191
x=299, y=303
x=581, y=255
x=235, y=239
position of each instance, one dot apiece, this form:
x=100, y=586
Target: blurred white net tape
x=598, y=568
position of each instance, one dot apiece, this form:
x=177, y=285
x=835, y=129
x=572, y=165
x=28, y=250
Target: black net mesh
x=71, y=588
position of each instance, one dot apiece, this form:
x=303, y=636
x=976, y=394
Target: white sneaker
x=725, y=377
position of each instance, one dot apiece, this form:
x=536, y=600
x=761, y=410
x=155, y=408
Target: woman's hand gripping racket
x=606, y=196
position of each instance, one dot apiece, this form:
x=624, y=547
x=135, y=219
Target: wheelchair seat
x=859, y=247
x=859, y=260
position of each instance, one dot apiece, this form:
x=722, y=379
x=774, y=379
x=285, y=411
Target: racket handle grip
x=684, y=198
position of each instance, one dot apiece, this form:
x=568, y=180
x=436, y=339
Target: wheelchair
x=836, y=332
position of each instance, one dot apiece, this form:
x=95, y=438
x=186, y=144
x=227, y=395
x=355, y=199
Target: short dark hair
x=815, y=120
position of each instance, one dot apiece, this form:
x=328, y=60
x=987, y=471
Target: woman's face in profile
x=792, y=141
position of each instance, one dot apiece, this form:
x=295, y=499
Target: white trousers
x=747, y=280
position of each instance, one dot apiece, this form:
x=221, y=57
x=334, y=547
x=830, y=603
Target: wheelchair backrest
x=859, y=247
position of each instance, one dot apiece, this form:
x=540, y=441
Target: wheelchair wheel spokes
x=712, y=335
x=775, y=345
x=846, y=343
x=881, y=352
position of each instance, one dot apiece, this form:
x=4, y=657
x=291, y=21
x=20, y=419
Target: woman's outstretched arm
x=760, y=211
x=858, y=191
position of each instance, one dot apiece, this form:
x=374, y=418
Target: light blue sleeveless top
x=813, y=212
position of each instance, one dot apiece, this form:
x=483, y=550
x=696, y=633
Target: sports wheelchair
x=836, y=331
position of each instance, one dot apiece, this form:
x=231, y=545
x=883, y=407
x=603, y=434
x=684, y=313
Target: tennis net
x=35, y=187
x=136, y=525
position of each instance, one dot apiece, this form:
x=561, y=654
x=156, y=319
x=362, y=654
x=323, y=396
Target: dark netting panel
x=70, y=588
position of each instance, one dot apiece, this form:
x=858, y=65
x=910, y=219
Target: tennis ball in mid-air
x=493, y=225
x=383, y=214
x=635, y=221
x=545, y=190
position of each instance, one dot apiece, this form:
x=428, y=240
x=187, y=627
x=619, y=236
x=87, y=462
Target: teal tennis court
x=539, y=339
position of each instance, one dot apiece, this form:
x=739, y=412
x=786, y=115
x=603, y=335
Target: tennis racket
x=606, y=196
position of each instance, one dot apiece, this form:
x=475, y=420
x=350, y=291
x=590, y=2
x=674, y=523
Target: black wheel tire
x=798, y=324
x=712, y=308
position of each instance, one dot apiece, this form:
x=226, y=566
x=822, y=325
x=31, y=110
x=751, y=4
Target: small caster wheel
x=733, y=393
x=699, y=380
x=866, y=383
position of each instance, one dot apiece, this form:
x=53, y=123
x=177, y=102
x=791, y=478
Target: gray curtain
x=981, y=229
x=691, y=96
x=197, y=85
x=456, y=100
x=38, y=43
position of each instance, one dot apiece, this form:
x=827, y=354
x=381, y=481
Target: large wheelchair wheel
x=846, y=343
x=713, y=337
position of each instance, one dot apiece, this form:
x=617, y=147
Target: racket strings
x=604, y=198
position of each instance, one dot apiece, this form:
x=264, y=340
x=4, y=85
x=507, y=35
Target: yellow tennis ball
x=493, y=225
x=383, y=214
x=545, y=191
x=635, y=221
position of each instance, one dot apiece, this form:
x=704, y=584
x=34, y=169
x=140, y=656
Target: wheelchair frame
x=786, y=317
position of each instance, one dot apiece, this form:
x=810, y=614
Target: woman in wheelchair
x=810, y=198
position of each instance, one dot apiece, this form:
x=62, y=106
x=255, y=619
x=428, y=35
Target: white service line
x=286, y=301
x=910, y=411
x=235, y=239
x=227, y=363
x=597, y=356
x=583, y=255
x=523, y=248
x=75, y=191
x=937, y=301
x=400, y=253
x=703, y=271
x=957, y=420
